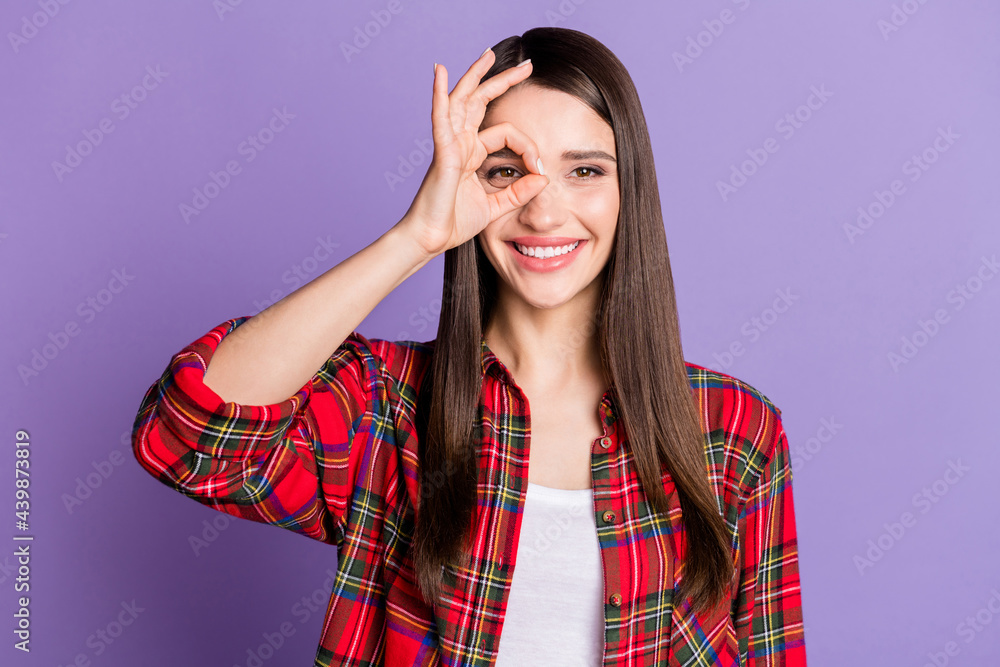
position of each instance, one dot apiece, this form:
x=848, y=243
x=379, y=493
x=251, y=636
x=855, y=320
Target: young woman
x=545, y=483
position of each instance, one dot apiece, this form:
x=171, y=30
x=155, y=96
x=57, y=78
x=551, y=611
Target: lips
x=545, y=264
x=544, y=252
x=544, y=241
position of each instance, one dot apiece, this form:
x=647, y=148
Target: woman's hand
x=451, y=205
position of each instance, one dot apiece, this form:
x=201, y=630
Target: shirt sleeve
x=287, y=464
x=769, y=620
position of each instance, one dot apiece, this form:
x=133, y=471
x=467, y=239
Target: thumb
x=517, y=194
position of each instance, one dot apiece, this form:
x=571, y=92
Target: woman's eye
x=592, y=172
x=503, y=172
x=583, y=173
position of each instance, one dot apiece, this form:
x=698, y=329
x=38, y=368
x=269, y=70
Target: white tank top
x=555, y=609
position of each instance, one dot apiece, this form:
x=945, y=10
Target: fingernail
x=541, y=169
x=485, y=52
x=435, y=69
x=524, y=62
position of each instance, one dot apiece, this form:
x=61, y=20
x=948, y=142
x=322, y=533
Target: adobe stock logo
x=754, y=327
x=381, y=19
x=122, y=107
x=899, y=17
x=300, y=273
x=802, y=452
x=223, y=7
x=407, y=165
x=100, y=471
x=105, y=636
x=968, y=629
x=699, y=43
x=786, y=126
x=565, y=9
x=89, y=309
x=963, y=293
x=31, y=25
x=923, y=500
x=249, y=148
x=915, y=167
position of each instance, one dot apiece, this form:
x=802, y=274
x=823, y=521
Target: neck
x=548, y=348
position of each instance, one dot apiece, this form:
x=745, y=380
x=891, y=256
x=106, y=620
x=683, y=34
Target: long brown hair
x=636, y=321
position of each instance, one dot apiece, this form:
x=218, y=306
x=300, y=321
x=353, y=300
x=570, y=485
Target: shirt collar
x=491, y=361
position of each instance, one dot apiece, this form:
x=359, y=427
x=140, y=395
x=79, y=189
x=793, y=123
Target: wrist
x=406, y=246
x=408, y=238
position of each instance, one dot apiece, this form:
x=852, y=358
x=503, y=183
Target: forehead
x=551, y=117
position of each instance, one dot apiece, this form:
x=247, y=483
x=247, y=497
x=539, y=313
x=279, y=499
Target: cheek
x=601, y=206
x=487, y=245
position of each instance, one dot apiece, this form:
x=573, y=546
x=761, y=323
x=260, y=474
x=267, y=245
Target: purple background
x=825, y=360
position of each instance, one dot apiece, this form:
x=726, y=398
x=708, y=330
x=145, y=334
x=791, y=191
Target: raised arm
x=274, y=353
x=290, y=463
x=270, y=417
x=281, y=347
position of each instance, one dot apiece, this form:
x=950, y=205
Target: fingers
x=464, y=109
x=500, y=135
x=491, y=89
x=441, y=128
x=470, y=96
x=497, y=85
x=472, y=76
x=521, y=191
x=515, y=195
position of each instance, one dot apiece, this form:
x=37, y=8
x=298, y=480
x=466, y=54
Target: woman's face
x=578, y=206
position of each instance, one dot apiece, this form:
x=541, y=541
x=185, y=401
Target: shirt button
x=605, y=442
x=616, y=600
x=609, y=517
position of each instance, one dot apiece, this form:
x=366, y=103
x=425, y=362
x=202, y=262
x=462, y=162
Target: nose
x=546, y=210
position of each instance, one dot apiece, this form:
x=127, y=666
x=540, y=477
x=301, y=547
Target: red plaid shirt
x=337, y=462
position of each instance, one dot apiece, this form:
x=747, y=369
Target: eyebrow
x=507, y=153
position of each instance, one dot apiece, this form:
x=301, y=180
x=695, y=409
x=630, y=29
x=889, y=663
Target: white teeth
x=545, y=252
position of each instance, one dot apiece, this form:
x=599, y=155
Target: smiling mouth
x=545, y=252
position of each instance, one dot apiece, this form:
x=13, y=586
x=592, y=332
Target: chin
x=544, y=300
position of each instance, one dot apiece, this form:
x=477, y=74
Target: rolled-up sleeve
x=287, y=464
